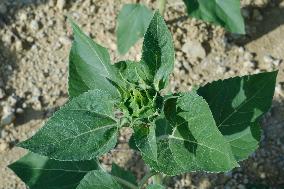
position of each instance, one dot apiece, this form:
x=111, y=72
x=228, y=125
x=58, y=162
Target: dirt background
x=34, y=44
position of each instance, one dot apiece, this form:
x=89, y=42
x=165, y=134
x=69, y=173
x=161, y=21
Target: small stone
x=34, y=25
x=248, y=64
x=3, y=146
x=276, y=62
x=281, y=5
x=7, y=38
x=2, y=93
x=24, y=105
x=241, y=49
x=19, y=111
x=278, y=89
x=23, y=16
x=30, y=39
x=262, y=175
x=19, y=45
x=7, y=118
x=268, y=59
x=12, y=100
x=65, y=40
x=248, y=56
x=3, y=8
x=194, y=49
x=61, y=4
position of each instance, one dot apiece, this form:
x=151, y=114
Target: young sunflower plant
x=208, y=129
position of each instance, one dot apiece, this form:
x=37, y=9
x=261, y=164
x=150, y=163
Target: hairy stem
x=162, y=6
x=158, y=179
x=119, y=180
x=125, y=183
x=145, y=179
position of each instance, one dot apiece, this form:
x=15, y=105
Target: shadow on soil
x=272, y=19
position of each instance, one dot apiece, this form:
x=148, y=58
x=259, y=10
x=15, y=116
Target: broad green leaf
x=76, y=85
x=226, y=13
x=186, y=140
x=237, y=105
x=40, y=172
x=99, y=180
x=81, y=130
x=133, y=21
x=89, y=66
x=158, y=51
x=120, y=173
x=155, y=186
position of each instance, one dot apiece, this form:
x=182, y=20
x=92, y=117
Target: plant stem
x=125, y=183
x=120, y=180
x=162, y=6
x=158, y=178
x=145, y=179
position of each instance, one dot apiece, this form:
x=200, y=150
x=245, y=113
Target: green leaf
x=237, y=105
x=226, y=13
x=133, y=21
x=81, y=130
x=158, y=51
x=89, y=66
x=40, y=172
x=99, y=180
x=186, y=140
x=155, y=186
x=120, y=173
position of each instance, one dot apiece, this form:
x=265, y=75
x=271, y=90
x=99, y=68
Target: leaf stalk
x=162, y=6
x=146, y=178
x=125, y=183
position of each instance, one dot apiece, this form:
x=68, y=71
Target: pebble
x=23, y=16
x=61, y=4
x=3, y=146
x=249, y=64
x=34, y=25
x=268, y=59
x=3, y=8
x=7, y=38
x=194, y=49
x=19, y=45
x=7, y=118
x=19, y=111
x=2, y=93
x=65, y=40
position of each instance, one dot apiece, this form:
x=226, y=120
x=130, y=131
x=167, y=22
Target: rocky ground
x=34, y=43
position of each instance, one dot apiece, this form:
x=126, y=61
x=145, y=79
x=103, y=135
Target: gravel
x=33, y=78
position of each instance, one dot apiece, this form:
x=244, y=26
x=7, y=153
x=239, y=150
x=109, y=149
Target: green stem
x=158, y=179
x=162, y=6
x=125, y=183
x=145, y=179
x=120, y=180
